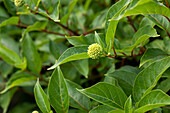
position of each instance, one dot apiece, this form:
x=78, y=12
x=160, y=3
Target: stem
x=44, y=30
x=167, y=3
x=114, y=49
x=131, y=23
x=44, y=7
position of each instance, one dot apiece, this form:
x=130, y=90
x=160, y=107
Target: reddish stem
x=131, y=23
x=167, y=3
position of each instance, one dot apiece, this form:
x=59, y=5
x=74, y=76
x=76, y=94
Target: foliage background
x=32, y=38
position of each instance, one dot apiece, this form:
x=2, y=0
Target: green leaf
x=117, y=111
x=11, y=57
x=101, y=109
x=141, y=35
x=71, y=54
x=147, y=7
x=98, y=40
x=5, y=99
x=38, y=26
x=54, y=49
x=159, y=20
x=128, y=105
x=11, y=21
x=125, y=80
x=154, y=99
x=58, y=92
x=82, y=66
x=54, y=16
x=147, y=79
x=77, y=99
x=31, y=54
x=10, y=6
x=18, y=79
x=106, y=94
x=151, y=55
x=165, y=85
x=65, y=18
x=78, y=40
x=114, y=12
x=41, y=98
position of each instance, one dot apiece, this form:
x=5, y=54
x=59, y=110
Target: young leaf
x=31, y=54
x=154, y=99
x=128, y=105
x=147, y=79
x=17, y=79
x=125, y=80
x=58, y=92
x=101, y=109
x=98, y=40
x=106, y=94
x=71, y=54
x=82, y=66
x=41, y=98
x=77, y=99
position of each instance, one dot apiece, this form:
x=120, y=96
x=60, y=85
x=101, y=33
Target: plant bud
x=35, y=112
x=95, y=51
x=19, y=3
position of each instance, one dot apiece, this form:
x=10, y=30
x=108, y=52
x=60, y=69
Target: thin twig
x=129, y=19
x=167, y=3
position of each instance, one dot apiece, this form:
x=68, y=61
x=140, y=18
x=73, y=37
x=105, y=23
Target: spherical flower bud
x=35, y=112
x=19, y=3
x=95, y=51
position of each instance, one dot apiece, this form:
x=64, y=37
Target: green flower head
x=19, y=3
x=95, y=51
x=35, y=112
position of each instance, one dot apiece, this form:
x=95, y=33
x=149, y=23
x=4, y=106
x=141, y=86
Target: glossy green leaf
x=11, y=21
x=98, y=40
x=154, y=99
x=101, y=109
x=38, y=26
x=125, y=80
x=71, y=54
x=151, y=55
x=58, y=92
x=147, y=79
x=41, y=98
x=18, y=79
x=11, y=57
x=31, y=54
x=82, y=66
x=65, y=18
x=77, y=99
x=128, y=105
x=106, y=94
x=54, y=49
